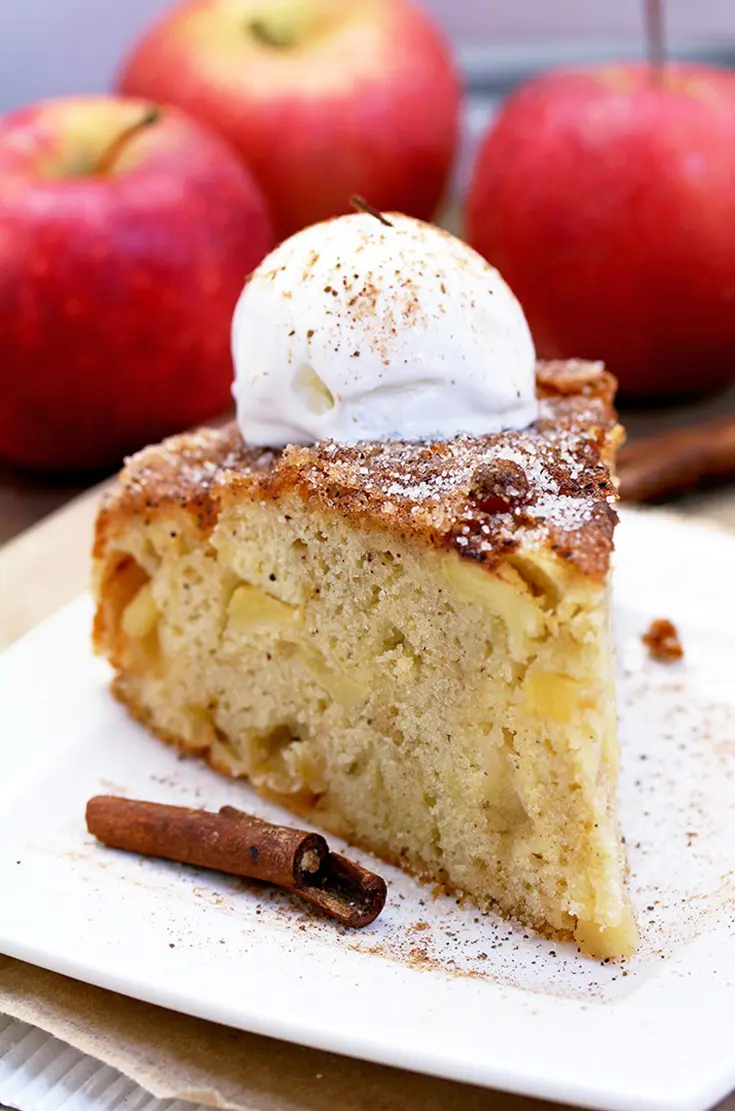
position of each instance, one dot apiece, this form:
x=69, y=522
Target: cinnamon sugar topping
x=548, y=485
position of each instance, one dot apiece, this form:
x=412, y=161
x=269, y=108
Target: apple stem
x=271, y=35
x=362, y=206
x=655, y=37
x=110, y=154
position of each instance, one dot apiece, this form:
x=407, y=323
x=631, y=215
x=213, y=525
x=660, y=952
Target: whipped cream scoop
x=354, y=330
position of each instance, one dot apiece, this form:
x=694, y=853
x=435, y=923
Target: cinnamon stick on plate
x=242, y=845
x=672, y=463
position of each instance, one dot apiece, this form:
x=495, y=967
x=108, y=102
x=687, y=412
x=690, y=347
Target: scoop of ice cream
x=355, y=329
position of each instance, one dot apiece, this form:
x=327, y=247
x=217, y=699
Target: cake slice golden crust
x=408, y=643
x=466, y=493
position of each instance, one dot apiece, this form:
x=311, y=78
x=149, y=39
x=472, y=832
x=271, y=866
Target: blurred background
x=54, y=47
x=64, y=46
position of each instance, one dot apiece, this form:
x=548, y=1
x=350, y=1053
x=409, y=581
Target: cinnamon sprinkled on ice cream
x=357, y=330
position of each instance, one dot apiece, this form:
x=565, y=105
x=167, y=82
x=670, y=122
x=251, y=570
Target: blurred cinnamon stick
x=672, y=463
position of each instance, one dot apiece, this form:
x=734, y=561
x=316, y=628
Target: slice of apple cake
x=407, y=643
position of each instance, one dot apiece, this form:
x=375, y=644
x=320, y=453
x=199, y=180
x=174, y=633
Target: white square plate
x=431, y=986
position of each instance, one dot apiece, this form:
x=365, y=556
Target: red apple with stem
x=606, y=197
x=126, y=233
x=322, y=98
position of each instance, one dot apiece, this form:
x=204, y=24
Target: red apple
x=606, y=197
x=125, y=238
x=322, y=98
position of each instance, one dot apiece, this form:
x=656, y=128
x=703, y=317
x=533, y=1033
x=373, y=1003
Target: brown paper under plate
x=172, y=1055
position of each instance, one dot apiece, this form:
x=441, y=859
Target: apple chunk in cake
x=407, y=643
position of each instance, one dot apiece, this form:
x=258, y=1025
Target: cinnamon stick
x=672, y=463
x=339, y=887
x=242, y=845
